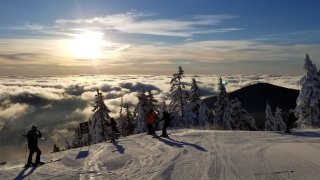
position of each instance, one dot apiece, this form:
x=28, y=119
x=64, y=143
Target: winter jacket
x=113, y=124
x=150, y=118
x=166, y=117
x=32, y=137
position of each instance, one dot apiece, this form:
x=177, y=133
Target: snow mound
x=187, y=154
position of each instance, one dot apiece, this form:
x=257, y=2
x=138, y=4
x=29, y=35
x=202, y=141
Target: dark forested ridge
x=254, y=98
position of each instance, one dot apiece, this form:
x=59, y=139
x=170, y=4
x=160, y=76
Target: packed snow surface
x=187, y=154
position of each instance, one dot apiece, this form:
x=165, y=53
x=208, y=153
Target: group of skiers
x=151, y=118
x=34, y=134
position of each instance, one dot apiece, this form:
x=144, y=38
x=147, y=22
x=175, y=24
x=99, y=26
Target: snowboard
x=3, y=163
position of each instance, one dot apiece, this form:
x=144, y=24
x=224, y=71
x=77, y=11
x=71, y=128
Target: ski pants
x=164, y=129
x=31, y=151
x=150, y=129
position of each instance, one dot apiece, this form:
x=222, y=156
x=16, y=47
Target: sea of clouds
x=56, y=104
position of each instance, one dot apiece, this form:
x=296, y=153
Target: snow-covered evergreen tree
x=227, y=119
x=127, y=123
x=140, y=112
x=281, y=126
x=152, y=101
x=203, y=116
x=77, y=139
x=194, y=100
x=223, y=108
x=194, y=92
x=307, y=109
x=99, y=131
x=270, y=120
x=153, y=104
x=229, y=114
x=198, y=107
x=240, y=117
x=67, y=144
x=179, y=97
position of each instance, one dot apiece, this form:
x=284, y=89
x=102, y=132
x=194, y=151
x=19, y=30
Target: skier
x=32, y=137
x=166, y=118
x=113, y=124
x=290, y=121
x=150, y=119
x=111, y=128
x=114, y=130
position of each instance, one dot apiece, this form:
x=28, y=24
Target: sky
x=73, y=37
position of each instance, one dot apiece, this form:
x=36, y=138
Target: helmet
x=34, y=127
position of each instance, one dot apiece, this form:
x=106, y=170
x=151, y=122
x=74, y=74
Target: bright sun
x=87, y=45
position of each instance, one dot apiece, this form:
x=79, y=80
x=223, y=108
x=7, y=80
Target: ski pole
x=25, y=155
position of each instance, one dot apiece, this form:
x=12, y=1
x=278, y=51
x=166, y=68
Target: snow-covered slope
x=188, y=154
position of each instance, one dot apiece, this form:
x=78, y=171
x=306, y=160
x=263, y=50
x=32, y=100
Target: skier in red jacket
x=150, y=119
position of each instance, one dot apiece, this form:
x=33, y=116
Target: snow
x=189, y=154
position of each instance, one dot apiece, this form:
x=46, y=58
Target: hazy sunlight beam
x=88, y=45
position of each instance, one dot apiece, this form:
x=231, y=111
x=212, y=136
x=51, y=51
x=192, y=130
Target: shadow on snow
x=305, y=133
x=22, y=174
x=174, y=143
x=119, y=147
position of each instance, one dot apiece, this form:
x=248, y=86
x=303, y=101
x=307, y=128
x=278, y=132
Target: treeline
x=188, y=110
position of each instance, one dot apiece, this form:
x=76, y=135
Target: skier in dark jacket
x=113, y=124
x=32, y=137
x=166, y=118
x=291, y=120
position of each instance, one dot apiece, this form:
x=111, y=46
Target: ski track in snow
x=187, y=154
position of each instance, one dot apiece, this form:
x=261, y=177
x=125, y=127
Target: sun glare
x=87, y=45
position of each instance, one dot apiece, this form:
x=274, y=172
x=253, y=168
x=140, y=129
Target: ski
x=46, y=162
x=52, y=160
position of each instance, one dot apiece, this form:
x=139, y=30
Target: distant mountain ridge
x=254, y=98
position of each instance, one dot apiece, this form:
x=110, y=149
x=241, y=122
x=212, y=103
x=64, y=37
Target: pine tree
x=67, y=144
x=240, y=117
x=140, y=112
x=223, y=99
x=270, y=121
x=127, y=121
x=77, y=139
x=223, y=108
x=281, y=126
x=307, y=109
x=98, y=128
x=194, y=92
x=227, y=119
x=55, y=148
x=153, y=104
x=194, y=101
x=198, y=107
x=179, y=98
x=203, y=115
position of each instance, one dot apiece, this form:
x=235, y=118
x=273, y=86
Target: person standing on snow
x=150, y=119
x=33, y=136
x=114, y=130
x=113, y=125
x=290, y=122
x=166, y=118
